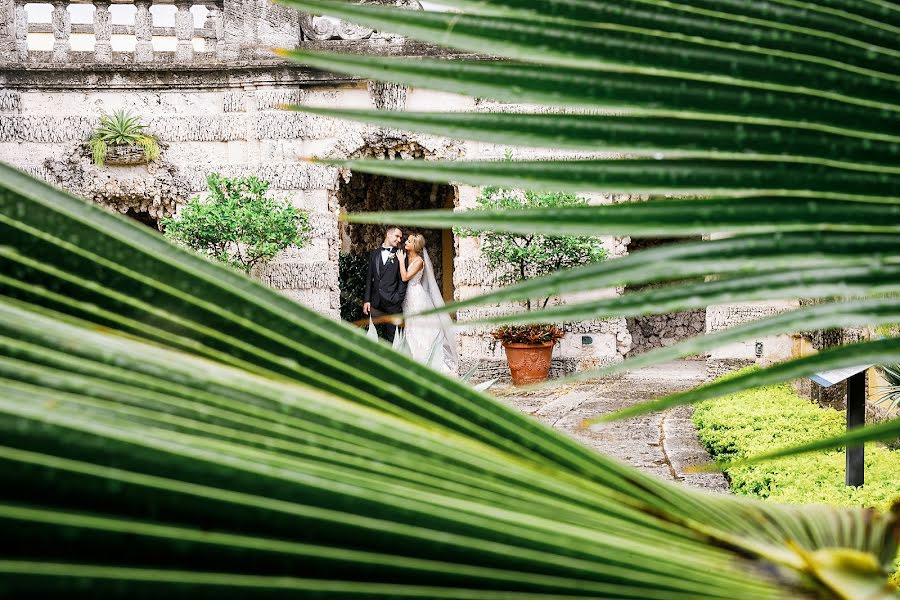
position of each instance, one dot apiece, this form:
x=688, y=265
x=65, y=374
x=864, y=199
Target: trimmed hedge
x=763, y=419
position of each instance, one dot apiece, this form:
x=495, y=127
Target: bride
x=430, y=339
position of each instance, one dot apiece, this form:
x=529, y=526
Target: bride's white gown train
x=430, y=339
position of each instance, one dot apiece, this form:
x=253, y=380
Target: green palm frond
x=195, y=432
x=782, y=117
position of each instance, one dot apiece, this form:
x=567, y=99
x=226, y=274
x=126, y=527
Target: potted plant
x=516, y=257
x=121, y=139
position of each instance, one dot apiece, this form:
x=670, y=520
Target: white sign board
x=829, y=378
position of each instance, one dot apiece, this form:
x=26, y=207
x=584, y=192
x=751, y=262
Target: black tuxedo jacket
x=384, y=288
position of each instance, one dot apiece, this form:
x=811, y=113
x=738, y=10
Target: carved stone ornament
x=320, y=28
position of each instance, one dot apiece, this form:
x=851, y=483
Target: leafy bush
x=237, y=224
x=762, y=419
x=353, y=269
x=517, y=256
x=758, y=420
x=121, y=128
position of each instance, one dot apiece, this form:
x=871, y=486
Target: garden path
x=664, y=444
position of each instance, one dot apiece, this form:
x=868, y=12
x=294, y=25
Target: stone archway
x=656, y=331
x=363, y=192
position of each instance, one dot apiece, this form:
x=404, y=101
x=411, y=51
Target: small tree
x=516, y=256
x=237, y=224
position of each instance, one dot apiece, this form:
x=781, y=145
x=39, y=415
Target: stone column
x=216, y=22
x=237, y=17
x=102, y=32
x=21, y=33
x=61, y=23
x=184, y=31
x=7, y=30
x=143, y=32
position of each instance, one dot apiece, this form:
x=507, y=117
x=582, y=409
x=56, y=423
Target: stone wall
x=236, y=129
x=762, y=351
x=657, y=331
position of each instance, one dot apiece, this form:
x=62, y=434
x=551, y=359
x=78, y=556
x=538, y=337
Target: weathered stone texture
x=326, y=302
x=198, y=128
x=716, y=367
x=724, y=316
x=298, y=275
x=51, y=129
x=234, y=101
x=472, y=270
x=155, y=191
x=10, y=101
x=275, y=98
x=656, y=331
x=323, y=225
x=388, y=96
x=282, y=176
x=287, y=125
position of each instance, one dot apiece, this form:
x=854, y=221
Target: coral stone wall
x=657, y=331
x=215, y=124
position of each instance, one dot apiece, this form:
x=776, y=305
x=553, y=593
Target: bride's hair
x=418, y=241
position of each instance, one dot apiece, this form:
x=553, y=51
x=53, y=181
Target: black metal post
x=856, y=417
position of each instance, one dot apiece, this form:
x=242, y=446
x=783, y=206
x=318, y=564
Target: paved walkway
x=664, y=444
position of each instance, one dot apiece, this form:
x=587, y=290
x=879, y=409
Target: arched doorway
x=362, y=192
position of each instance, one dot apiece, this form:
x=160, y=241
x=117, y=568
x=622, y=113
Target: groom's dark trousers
x=385, y=291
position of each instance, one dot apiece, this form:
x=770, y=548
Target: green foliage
x=167, y=422
x=520, y=256
x=121, y=128
x=238, y=224
x=890, y=392
x=767, y=121
x=353, y=269
x=759, y=420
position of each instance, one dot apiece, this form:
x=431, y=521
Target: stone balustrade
x=235, y=31
x=142, y=31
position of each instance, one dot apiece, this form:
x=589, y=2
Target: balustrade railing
x=233, y=31
x=142, y=32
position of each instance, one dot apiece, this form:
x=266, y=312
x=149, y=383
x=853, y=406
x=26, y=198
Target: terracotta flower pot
x=529, y=363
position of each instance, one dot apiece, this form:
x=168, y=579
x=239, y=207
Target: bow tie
x=391, y=250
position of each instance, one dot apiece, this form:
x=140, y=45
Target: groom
x=384, y=287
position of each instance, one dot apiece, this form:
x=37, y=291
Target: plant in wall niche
x=517, y=257
x=237, y=224
x=122, y=139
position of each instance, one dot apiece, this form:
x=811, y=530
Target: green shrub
x=759, y=420
x=353, y=269
x=762, y=419
x=516, y=256
x=237, y=224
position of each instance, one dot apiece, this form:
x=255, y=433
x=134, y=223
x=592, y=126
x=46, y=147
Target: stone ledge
x=195, y=128
x=124, y=74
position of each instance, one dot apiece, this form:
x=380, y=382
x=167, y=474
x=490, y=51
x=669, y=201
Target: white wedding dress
x=430, y=339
